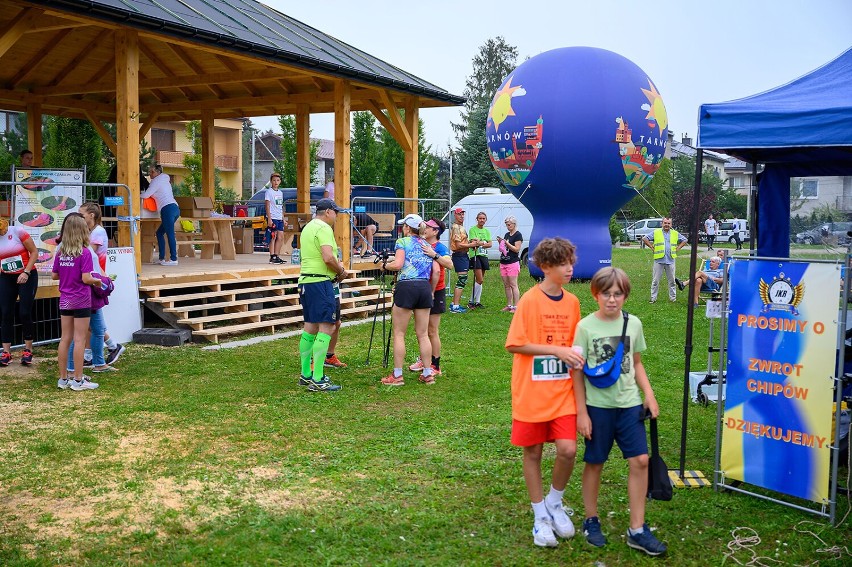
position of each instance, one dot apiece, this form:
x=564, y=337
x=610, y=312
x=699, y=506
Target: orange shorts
x=526, y=434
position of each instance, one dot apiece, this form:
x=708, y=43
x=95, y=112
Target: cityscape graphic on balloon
x=574, y=133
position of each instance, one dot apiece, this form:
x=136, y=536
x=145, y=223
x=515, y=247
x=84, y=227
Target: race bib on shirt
x=12, y=264
x=548, y=367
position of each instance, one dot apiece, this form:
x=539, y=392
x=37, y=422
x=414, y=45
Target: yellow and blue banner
x=782, y=340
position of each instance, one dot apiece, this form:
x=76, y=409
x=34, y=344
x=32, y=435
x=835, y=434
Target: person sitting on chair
x=367, y=227
x=709, y=281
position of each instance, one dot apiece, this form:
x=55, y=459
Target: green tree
x=247, y=141
x=392, y=172
x=683, y=185
x=365, y=150
x=494, y=61
x=656, y=199
x=472, y=167
x=286, y=166
x=72, y=143
x=11, y=145
x=191, y=185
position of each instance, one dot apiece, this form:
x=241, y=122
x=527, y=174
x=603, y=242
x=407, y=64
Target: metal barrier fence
x=46, y=310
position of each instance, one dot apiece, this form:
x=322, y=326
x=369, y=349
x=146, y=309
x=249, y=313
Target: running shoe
x=543, y=533
x=417, y=366
x=646, y=541
x=84, y=384
x=26, y=357
x=559, y=516
x=324, y=385
x=63, y=383
x=457, y=309
x=334, y=362
x=5, y=359
x=427, y=379
x=114, y=353
x=169, y=263
x=391, y=380
x=593, y=533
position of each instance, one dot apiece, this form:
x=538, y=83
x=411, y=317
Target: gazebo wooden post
x=127, y=131
x=208, y=155
x=303, y=159
x=342, y=194
x=34, y=132
x=412, y=167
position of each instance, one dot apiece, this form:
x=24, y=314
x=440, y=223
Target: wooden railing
x=172, y=158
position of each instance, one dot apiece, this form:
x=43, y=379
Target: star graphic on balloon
x=657, y=110
x=501, y=108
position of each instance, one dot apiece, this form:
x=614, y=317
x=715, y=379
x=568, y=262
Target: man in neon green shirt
x=319, y=276
x=480, y=236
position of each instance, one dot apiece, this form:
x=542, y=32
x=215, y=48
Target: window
x=738, y=182
x=163, y=140
x=809, y=189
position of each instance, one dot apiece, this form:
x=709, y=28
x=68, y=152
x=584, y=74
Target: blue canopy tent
x=800, y=129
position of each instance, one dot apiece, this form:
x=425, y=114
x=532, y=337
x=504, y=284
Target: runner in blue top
x=412, y=294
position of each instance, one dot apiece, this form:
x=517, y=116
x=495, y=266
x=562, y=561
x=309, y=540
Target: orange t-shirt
x=542, y=389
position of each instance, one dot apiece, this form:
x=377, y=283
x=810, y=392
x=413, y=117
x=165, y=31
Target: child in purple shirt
x=72, y=266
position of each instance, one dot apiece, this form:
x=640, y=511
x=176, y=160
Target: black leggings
x=10, y=290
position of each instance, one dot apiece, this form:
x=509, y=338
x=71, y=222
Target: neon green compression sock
x=306, y=348
x=320, y=350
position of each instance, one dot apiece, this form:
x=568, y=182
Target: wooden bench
x=386, y=222
x=214, y=230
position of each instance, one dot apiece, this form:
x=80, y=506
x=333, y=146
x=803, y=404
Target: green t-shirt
x=315, y=235
x=599, y=340
x=476, y=233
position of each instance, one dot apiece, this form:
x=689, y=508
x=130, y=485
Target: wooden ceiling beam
x=288, y=88
x=105, y=70
x=319, y=84
x=56, y=102
x=197, y=69
x=145, y=127
x=34, y=61
x=273, y=101
x=19, y=25
x=396, y=118
x=85, y=52
x=168, y=71
x=59, y=26
x=383, y=119
x=102, y=132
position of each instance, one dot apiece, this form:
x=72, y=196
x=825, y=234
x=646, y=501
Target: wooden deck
x=215, y=297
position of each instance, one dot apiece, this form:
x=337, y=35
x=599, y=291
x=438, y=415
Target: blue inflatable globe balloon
x=575, y=133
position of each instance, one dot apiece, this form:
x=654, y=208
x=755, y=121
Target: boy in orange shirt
x=543, y=398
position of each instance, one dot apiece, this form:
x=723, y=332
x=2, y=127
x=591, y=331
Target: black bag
x=659, y=483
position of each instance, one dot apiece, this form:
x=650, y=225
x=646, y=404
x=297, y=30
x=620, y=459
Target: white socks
x=555, y=496
x=477, y=293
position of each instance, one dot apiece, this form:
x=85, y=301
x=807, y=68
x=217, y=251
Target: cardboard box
x=5, y=209
x=195, y=207
x=243, y=240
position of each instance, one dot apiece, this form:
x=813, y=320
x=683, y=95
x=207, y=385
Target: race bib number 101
x=548, y=367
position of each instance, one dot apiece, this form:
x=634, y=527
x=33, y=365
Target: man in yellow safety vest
x=667, y=242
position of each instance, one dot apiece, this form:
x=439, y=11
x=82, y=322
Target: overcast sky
x=695, y=52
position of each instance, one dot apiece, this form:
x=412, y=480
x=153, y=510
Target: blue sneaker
x=305, y=380
x=593, y=533
x=457, y=309
x=647, y=542
x=323, y=385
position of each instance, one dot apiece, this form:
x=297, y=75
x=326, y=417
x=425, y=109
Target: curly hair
x=606, y=278
x=554, y=252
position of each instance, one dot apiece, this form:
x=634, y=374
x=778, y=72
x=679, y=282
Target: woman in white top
x=160, y=190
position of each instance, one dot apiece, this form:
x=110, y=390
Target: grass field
x=202, y=457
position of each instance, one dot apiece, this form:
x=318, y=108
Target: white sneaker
x=169, y=263
x=543, y=533
x=63, y=383
x=562, y=524
x=84, y=384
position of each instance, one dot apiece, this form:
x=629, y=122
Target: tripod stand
x=386, y=337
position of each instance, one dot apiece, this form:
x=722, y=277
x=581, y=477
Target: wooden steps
x=227, y=303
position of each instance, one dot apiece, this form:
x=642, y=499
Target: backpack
x=659, y=483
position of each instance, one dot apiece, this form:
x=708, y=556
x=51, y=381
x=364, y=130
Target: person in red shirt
x=18, y=255
x=544, y=408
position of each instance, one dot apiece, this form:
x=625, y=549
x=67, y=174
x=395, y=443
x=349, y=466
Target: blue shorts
x=319, y=305
x=277, y=226
x=622, y=425
x=461, y=262
x=710, y=286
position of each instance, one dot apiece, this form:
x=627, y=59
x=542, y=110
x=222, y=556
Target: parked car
x=497, y=206
x=826, y=233
x=642, y=228
x=726, y=232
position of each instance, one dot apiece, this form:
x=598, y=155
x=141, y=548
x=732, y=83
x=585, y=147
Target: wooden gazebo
x=136, y=62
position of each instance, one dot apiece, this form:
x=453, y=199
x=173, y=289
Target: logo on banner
x=780, y=294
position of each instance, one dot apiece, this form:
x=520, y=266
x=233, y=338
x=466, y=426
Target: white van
x=497, y=206
x=726, y=232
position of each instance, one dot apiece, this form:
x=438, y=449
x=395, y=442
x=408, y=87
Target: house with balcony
x=267, y=149
x=171, y=143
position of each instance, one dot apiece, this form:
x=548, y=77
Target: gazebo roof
x=235, y=57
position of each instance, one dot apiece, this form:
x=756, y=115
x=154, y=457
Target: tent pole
x=690, y=310
x=752, y=202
